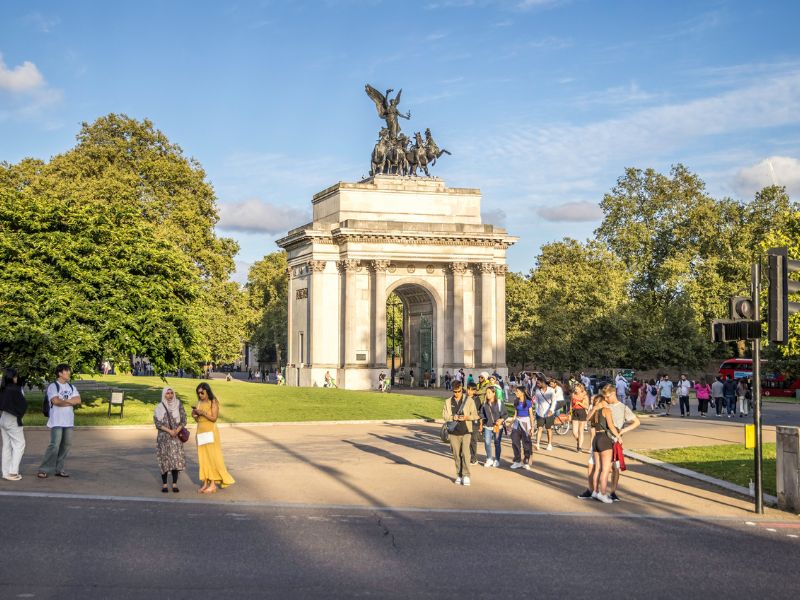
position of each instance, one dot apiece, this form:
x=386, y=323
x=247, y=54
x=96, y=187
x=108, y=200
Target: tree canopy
x=109, y=251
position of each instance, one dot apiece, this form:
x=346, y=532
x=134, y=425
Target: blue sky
x=543, y=103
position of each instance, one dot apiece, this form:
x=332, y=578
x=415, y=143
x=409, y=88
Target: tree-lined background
x=109, y=251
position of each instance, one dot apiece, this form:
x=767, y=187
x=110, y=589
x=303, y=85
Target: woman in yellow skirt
x=209, y=449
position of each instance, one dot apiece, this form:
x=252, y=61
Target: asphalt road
x=90, y=548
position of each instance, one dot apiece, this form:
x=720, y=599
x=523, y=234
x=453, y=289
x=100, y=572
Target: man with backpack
x=60, y=400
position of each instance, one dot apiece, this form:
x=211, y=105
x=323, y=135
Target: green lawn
x=730, y=462
x=242, y=402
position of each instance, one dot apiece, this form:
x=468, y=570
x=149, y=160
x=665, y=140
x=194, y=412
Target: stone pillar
x=290, y=301
x=458, y=269
x=316, y=299
x=500, y=303
x=349, y=267
x=379, y=268
x=488, y=316
x=787, y=467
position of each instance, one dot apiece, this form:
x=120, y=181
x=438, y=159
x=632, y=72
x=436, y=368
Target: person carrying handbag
x=170, y=421
x=458, y=413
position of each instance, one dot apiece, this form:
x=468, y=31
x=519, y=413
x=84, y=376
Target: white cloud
x=494, y=216
x=571, y=211
x=775, y=170
x=22, y=78
x=257, y=216
x=24, y=94
x=616, y=96
x=41, y=22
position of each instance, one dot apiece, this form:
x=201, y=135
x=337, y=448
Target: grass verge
x=242, y=402
x=730, y=462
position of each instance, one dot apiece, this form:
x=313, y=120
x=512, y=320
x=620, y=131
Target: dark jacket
x=729, y=387
x=13, y=401
x=490, y=412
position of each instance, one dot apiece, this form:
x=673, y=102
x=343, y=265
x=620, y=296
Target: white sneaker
x=591, y=459
x=604, y=499
x=457, y=481
x=516, y=465
x=538, y=447
x=489, y=463
x=467, y=482
x=549, y=447
x=595, y=495
x=496, y=462
x=526, y=466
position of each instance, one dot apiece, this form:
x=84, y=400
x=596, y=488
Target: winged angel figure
x=387, y=109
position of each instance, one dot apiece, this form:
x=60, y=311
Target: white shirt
x=684, y=385
x=545, y=401
x=61, y=416
x=622, y=387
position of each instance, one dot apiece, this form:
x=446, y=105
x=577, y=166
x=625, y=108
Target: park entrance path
x=384, y=465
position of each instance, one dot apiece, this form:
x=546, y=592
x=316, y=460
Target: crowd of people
x=478, y=410
x=169, y=418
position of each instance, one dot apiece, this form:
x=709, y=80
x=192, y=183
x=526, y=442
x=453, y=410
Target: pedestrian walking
x=580, y=409
x=209, y=449
x=61, y=398
x=718, y=394
x=170, y=419
x=447, y=380
x=493, y=414
x=729, y=390
x=636, y=386
x=651, y=398
x=665, y=393
x=684, y=385
x=622, y=388
x=459, y=413
x=13, y=406
x=624, y=420
x=522, y=429
x=474, y=397
x=702, y=392
x=544, y=399
x=741, y=398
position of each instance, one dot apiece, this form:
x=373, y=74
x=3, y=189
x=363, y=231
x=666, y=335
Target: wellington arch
x=409, y=236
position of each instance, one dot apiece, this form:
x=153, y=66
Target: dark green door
x=425, y=345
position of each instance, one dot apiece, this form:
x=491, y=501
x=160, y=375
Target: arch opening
x=411, y=335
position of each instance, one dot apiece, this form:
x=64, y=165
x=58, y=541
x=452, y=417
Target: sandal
x=164, y=489
x=41, y=475
x=62, y=474
x=175, y=489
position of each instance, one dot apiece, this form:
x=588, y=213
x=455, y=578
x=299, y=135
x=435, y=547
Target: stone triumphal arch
x=413, y=237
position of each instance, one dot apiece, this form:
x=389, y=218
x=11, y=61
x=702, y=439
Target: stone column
x=290, y=337
x=349, y=267
x=500, y=303
x=379, y=268
x=316, y=299
x=488, y=316
x=458, y=269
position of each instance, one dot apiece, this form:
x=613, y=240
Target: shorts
x=665, y=400
x=602, y=442
x=546, y=422
x=578, y=414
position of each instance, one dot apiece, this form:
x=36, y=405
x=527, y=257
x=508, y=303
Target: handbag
x=451, y=425
x=183, y=433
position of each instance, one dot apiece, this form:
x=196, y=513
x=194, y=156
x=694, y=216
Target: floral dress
x=169, y=450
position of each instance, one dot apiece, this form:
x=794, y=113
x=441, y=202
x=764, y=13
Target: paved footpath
x=371, y=510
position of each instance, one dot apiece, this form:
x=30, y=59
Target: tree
x=267, y=296
x=520, y=319
x=109, y=251
x=578, y=288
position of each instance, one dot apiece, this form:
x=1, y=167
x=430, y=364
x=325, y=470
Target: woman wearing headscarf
x=170, y=418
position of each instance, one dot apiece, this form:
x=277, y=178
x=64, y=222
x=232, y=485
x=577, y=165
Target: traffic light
x=780, y=287
x=742, y=324
x=742, y=309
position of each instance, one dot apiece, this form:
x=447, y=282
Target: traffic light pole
x=756, y=285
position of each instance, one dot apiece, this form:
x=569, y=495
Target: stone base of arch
x=411, y=236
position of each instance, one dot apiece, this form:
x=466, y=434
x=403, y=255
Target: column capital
x=348, y=265
x=317, y=266
x=458, y=267
x=484, y=267
x=380, y=265
x=501, y=269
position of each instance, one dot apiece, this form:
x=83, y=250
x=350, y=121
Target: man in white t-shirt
x=684, y=385
x=622, y=390
x=63, y=398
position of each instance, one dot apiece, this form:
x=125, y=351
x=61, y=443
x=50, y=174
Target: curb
x=245, y=425
x=731, y=487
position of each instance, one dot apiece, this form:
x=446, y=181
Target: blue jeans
x=57, y=451
x=730, y=403
x=488, y=436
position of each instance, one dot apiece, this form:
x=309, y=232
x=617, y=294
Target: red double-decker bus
x=772, y=383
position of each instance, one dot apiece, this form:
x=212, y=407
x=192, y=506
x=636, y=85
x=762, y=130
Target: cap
x=485, y=374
